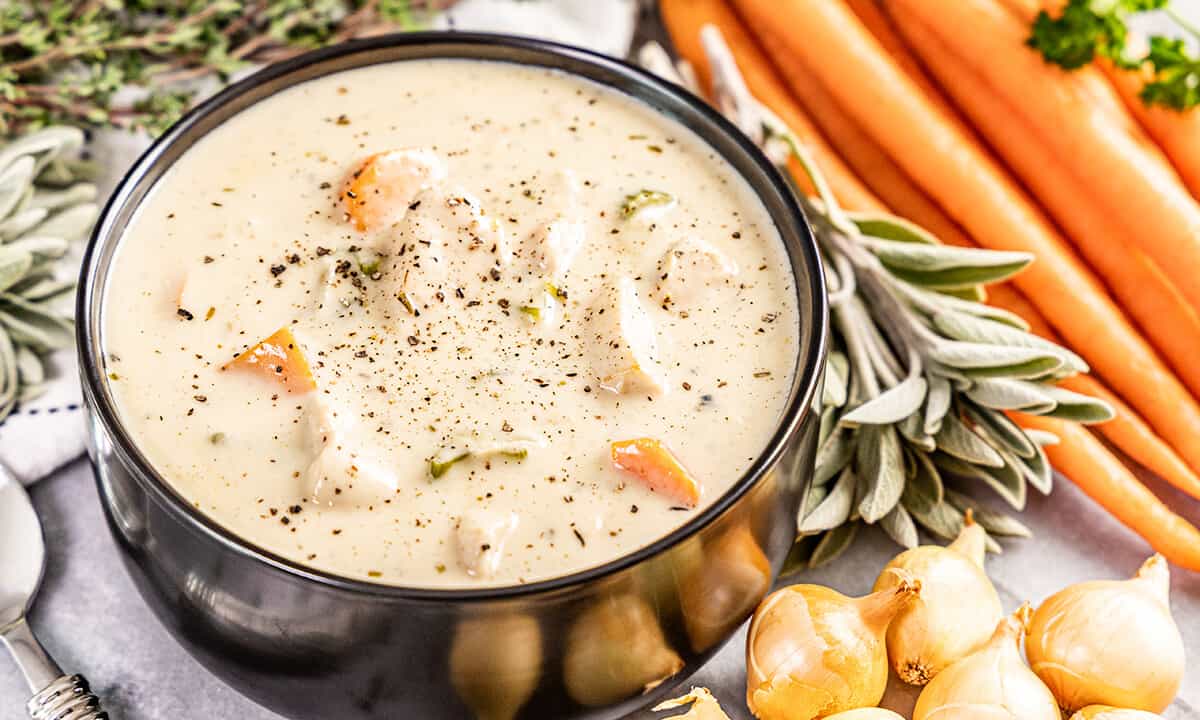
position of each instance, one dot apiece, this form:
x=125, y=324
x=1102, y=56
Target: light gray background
x=93, y=621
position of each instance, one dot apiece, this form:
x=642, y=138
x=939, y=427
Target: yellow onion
x=956, y=613
x=866, y=714
x=1108, y=712
x=704, y=706
x=1110, y=642
x=616, y=649
x=992, y=683
x=495, y=664
x=812, y=651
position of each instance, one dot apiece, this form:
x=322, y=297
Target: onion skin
x=1110, y=642
x=812, y=652
x=956, y=613
x=992, y=683
x=1108, y=712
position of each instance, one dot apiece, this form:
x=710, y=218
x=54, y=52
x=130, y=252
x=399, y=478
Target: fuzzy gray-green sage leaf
x=45, y=207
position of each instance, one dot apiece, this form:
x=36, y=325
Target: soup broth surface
x=450, y=323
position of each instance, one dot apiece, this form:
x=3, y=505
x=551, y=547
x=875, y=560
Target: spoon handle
x=67, y=698
x=58, y=696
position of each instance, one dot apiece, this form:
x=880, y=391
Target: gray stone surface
x=92, y=620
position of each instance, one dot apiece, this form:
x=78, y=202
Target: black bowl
x=598, y=643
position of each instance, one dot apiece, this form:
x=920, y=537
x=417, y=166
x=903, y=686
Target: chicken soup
x=450, y=323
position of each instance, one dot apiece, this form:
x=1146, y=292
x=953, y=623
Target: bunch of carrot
x=939, y=112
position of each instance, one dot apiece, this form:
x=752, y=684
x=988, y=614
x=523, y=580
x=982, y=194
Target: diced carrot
x=651, y=462
x=278, y=357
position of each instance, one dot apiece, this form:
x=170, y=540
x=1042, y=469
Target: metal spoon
x=22, y=559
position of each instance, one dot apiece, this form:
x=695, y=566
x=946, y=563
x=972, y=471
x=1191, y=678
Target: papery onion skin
x=992, y=683
x=1110, y=642
x=866, y=714
x=812, y=652
x=1108, y=712
x=956, y=613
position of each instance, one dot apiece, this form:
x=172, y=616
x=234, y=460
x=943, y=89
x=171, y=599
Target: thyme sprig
x=64, y=61
x=921, y=373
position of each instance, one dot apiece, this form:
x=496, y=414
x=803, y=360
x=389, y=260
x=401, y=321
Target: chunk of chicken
x=445, y=242
x=339, y=472
x=690, y=270
x=381, y=190
x=557, y=244
x=623, y=340
x=481, y=535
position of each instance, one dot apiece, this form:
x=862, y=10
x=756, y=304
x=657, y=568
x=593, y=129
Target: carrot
x=1119, y=170
x=651, y=462
x=1088, y=464
x=969, y=185
x=684, y=18
x=1161, y=311
x=1127, y=431
x=865, y=157
x=279, y=358
x=1177, y=132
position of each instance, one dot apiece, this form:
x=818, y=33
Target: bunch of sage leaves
x=46, y=205
x=921, y=373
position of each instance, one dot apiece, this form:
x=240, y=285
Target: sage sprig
x=45, y=205
x=920, y=372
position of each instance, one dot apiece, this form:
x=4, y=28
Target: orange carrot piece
x=1143, y=290
x=967, y=183
x=684, y=18
x=279, y=358
x=1177, y=133
x=1122, y=174
x=1127, y=431
x=651, y=462
x=1098, y=473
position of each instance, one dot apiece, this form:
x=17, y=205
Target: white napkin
x=45, y=434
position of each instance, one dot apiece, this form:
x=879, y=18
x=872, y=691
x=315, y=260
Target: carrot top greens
x=1088, y=29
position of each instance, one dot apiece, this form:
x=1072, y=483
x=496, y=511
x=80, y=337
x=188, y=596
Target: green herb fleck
x=643, y=199
x=438, y=469
x=533, y=313
x=518, y=454
x=403, y=298
x=556, y=292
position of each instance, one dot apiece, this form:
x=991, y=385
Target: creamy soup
x=451, y=323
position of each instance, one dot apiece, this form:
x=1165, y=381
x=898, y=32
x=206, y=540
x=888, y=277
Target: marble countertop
x=92, y=620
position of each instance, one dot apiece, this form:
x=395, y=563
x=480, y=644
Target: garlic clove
x=1110, y=642
x=866, y=714
x=812, y=651
x=993, y=683
x=1108, y=712
x=956, y=613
